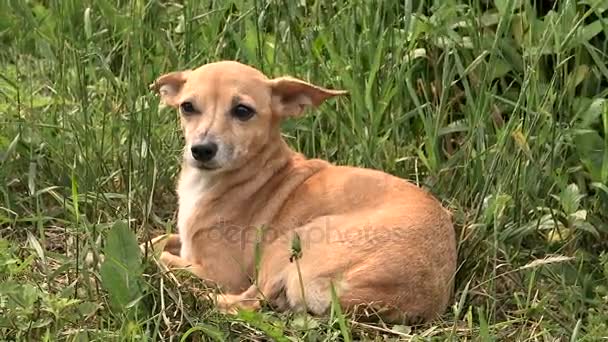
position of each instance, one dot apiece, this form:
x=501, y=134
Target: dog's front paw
x=226, y=305
x=232, y=304
x=161, y=243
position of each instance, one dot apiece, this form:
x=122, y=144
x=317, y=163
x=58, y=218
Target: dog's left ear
x=168, y=86
x=291, y=96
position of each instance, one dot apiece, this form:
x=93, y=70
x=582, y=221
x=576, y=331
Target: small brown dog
x=246, y=198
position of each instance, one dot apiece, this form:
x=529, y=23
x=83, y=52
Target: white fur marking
x=190, y=190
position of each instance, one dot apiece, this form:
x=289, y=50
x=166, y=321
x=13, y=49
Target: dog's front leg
x=161, y=243
x=174, y=261
x=169, y=247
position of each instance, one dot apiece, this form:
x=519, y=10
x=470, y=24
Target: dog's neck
x=250, y=196
x=247, y=178
x=236, y=186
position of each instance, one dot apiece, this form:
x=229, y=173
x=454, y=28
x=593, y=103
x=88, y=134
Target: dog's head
x=229, y=110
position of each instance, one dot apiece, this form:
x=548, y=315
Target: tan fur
x=381, y=242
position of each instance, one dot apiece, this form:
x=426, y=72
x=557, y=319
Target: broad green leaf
x=500, y=68
x=5, y=155
x=591, y=30
x=580, y=73
x=260, y=321
x=122, y=268
x=600, y=186
x=570, y=199
x=304, y=322
x=490, y=18
x=600, y=63
x=31, y=177
x=503, y=5
x=484, y=329
x=19, y=295
x=590, y=147
x=87, y=308
x=88, y=30
x=402, y=329
x=596, y=5
x=207, y=329
x=35, y=244
x=518, y=28
x=588, y=110
x=587, y=227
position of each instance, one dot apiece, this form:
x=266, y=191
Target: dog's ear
x=291, y=96
x=169, y=85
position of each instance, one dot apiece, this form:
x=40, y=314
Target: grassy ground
x=499, y=107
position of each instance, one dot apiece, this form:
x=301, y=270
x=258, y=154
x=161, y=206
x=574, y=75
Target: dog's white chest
x=191, y=190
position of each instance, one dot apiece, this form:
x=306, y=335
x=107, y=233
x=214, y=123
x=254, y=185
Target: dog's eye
x=187, y=108
x=243, y=112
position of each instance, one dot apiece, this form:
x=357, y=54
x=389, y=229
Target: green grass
x=498, y=107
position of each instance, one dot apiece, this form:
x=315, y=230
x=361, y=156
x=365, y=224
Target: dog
x=268, y=225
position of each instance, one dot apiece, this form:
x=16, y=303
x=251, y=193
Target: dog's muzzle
x=204, y=153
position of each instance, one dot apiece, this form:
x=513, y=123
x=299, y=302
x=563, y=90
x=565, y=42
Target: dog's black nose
x=204, y=152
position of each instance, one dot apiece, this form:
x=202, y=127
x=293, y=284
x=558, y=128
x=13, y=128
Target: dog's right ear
x=168, y=86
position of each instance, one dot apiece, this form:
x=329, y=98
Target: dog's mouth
x=207, y=166
x=217, y=162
